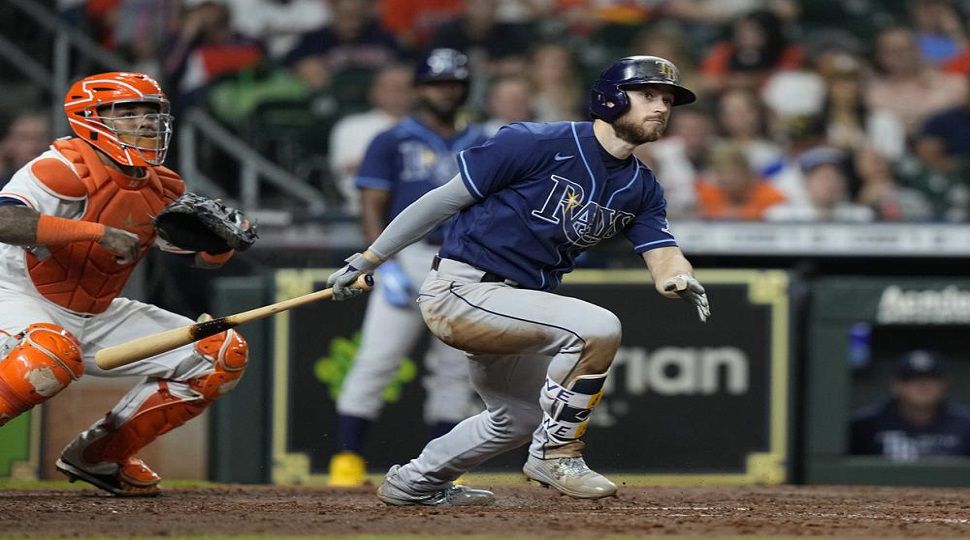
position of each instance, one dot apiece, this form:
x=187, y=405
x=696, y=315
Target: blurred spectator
x=413, y=22
x=794, y=93
x=879, y=189
x=391, y=95
x=850, y=123
x=278, y=24
x=948, y=132
x=206, y=48
x=718, y=12
x=559, y=94
x=142, y=28
x=940, y=29
x=509, y=101
x=667, y=40
x=916, y=420
x=101, y=17
x=523, y=12
x=742, y=121
x=941, y=171
x=799, y=134
x=756, y=48
x=23, y=138
x=354, y=40
x=680, y=158
x=863, y=19
x=906, y=84
x=494, y=48
x=734, y=191
x=826, y=187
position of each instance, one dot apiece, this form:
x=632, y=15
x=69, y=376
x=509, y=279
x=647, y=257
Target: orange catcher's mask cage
x=138, y=140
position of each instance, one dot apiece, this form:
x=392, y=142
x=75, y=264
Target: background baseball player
x=73, y=224
x=528, y=202
x=402, y=164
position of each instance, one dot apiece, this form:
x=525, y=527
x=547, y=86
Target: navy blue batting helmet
x=609, y=101
x=442, y=65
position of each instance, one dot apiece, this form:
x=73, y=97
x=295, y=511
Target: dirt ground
x=521, y=510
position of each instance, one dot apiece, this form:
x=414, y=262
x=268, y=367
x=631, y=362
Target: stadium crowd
x=808, y=110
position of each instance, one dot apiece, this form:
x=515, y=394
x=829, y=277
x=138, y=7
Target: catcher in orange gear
x=74, y=222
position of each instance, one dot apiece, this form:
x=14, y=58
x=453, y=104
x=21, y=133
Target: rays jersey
x=547, y=192
x=411, y=159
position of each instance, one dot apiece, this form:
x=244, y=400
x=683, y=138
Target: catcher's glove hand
x=691, y=290
x=196, y=223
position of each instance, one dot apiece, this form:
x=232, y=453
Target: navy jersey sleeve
x=649, y=229
x=378, y=169
x=509, y=155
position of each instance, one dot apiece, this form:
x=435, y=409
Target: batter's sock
x=440, y=428
x=351, y=432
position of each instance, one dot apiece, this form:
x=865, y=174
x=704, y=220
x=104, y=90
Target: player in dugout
x=528, y=202
x=74, y=222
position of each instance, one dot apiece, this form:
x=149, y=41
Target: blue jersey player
x=400, y=165
x=528, y=202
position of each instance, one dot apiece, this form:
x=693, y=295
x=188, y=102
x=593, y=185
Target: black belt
x=487, y=277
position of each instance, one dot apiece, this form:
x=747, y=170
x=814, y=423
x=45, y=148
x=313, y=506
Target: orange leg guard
x=103, y=454
x=43, y=362
x=164, y=411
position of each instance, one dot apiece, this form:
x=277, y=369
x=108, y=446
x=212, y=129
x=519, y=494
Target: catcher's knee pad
x=228, y=353
x=174, y=403
x=41, y=361
x=566, y=410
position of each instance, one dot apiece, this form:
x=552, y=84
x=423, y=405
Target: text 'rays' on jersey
x=547, y=192
x=584, y=224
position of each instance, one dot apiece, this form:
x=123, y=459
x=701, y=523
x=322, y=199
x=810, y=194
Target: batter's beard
x=634, y=132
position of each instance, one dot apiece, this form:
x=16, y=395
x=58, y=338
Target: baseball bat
x=150, y=345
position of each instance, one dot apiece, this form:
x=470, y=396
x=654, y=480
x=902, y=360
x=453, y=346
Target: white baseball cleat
x=570, y=476
x=451, y=495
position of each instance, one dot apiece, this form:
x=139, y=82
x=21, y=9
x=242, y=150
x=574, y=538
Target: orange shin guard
x=46, y=360
x=166, y=409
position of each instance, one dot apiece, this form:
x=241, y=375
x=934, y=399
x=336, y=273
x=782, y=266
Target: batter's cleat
x=130, y=478
x=451, y=495
x=569, y=475
x=347, y=469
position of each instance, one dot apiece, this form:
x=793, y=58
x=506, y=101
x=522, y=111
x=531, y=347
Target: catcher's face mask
x=143, y=127
x=125, y=115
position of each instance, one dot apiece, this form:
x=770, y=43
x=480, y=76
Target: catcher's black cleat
x=132, y=479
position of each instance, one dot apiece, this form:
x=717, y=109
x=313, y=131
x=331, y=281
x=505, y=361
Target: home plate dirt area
x=521, y=510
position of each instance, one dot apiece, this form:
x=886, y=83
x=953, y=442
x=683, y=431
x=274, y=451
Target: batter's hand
x=342, y=280
x=691, y=290
x=123, y=244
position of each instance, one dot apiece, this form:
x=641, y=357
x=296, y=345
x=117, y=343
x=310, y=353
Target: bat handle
x=365, y=282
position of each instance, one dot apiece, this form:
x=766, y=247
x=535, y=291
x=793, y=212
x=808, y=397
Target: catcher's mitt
x=196, y=223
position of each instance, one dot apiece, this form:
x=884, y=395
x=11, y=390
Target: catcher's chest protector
x=83, y=276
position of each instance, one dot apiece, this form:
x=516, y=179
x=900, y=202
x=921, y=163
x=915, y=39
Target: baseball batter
x=528, y=202
x=73, y=224
x=400, y=165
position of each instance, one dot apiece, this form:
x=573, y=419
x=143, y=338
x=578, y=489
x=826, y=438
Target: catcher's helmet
x=609, y=101
x=90, y=101
x=442, y=65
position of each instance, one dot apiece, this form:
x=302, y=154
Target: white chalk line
x=913, y=519
x=722, y=511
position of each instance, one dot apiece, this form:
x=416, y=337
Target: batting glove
x=691, y=290
x=342, y=280
x=396, y=285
